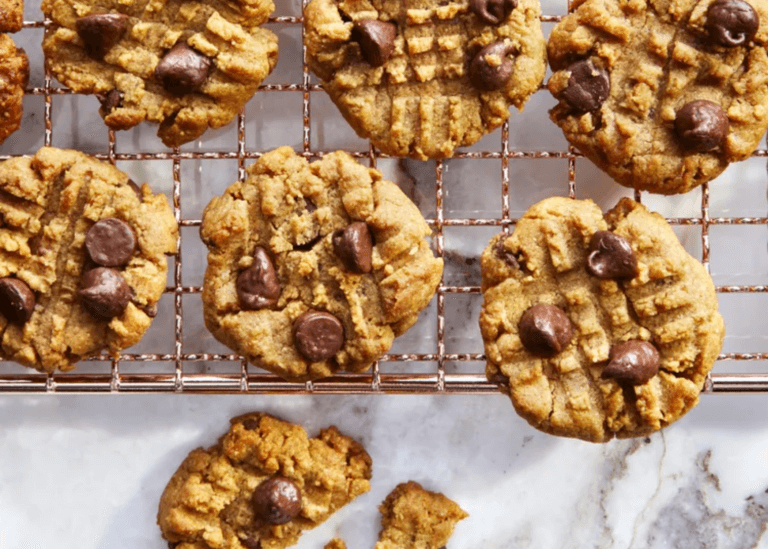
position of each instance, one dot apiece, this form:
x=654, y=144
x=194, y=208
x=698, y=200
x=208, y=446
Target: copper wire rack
x=245, y=379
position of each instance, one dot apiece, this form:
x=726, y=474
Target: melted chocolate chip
x=250, y=543
x=110, y=242
x=731, y=23
x=611, y=256
x=545, y=330
x=353, y=245
x=633, y=361
x=376, y=39
x=257, y=286
x=588, y=86
x=492, y=12
x=318, y=335
x=251, y=424
x=309, y=205
x=506, y=256
x=100, y=32
x=491, y=68
x=182, y=70
x=701, y=126
x=277, y=500
x=17, y=300
x=105, y=293
x=111, y=100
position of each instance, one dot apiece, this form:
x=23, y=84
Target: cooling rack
x=245, y=379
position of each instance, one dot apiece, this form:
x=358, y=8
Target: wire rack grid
x=250, y=380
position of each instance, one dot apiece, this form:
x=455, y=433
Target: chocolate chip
x=611, y=256
x=251, y=424
x=257, y=286
x=491, y=68
x=376, y=39
x=307, y=245
x=309, y=205
x=545, y=330
x=105, y=293
x=17, y=300
x=110, y=242
x=111, y=100
x=353, y=245
x=731, y=23
x=633, y=361
x=151, y=310
x=250, y=543
x=277, y=500
x=701, y=126
x=505, y=255
x=492, y=12
x=182, y=70
x=100, y=32
x=318, y=335
x=588, y=86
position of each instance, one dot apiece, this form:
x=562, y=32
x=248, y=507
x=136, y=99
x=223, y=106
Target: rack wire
x=250, y=380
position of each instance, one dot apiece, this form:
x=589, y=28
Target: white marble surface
x=87, y=471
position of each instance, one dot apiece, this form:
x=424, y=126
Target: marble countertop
x=87, y=471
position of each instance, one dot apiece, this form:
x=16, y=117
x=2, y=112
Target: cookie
x=422, y=78
x=187, y=65
x=82, y=258
x=597, y=326
x=336, y=543
x=11, y=16
x=261, y=486
x=314, y=268
x=14, y=77
x=662, y=96
x=415, y=518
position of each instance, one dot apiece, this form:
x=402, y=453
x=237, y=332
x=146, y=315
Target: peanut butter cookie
x=314, y=268
x=597, y=326
x=188, y=65
x=421, y=78
x=83, y=260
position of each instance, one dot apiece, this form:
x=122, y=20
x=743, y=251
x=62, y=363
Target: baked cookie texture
x=11, y=15
x=314, y=268
x=188, y=65
x=14, y=77
x=336, y=543
x=261, y=486
x=597, y=326
x=624, y=72
x=82, y=258
x=415, y=518
x=410, y=75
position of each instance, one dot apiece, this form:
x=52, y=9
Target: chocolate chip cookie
x=187, y=65
x=420, y=79
x=662, y=96
x=415, y=518
x=261, y=486
x=597, y=326
x=11, y=15
x=14, y=77
x=83, y=258
x=314, y=268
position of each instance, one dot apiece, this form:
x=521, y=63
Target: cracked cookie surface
x=647, y=61
x=415, y=518
x=51, y=316
x=414, y=92
x=597, y=326
x=314, y=268
x=216, y=497
x=11, y=15
x=187, y=65
x=14, y=77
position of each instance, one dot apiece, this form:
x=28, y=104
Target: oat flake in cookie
x=186, y=65
x=662, y=96
x=261, y=486
x=84, y=258
x=314, y=268
x=420, y=79
x=602, y=326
